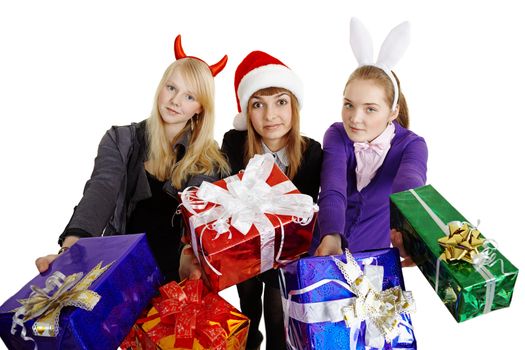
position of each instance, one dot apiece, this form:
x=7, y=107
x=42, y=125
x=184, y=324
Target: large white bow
x=249, y=201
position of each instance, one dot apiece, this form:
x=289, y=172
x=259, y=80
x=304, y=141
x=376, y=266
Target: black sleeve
x=233, y=146
x=310, y=171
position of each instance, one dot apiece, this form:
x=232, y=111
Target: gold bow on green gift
x=45, y=304
x=462, y=243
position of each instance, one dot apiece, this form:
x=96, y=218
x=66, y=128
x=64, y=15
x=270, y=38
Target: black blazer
x=308, y=177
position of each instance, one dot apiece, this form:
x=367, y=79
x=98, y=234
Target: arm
x=98, y=202
x=412, y=170
x=313, y=160
x=412, y=173
x=233, y=147
x=332, y=199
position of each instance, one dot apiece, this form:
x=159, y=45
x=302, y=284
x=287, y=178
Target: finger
x=407, y=262
x=42, y=264
x=195, y=274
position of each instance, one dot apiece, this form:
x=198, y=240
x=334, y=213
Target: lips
x=172, y=111
x=272, y=127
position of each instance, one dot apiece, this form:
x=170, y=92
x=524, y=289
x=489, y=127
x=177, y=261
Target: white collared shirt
x=281, y=159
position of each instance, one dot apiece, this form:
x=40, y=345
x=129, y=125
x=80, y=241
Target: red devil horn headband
x=215, y=68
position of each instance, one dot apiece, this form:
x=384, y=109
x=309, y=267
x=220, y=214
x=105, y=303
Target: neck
x=275, y=145
x=172, y=130
x=381, y=133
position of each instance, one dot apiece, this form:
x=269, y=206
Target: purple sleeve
x=412, y=170
x=332, y=199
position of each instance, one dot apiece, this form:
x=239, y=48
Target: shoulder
x=234, y=136
x=336, y=140
x=123, y=138
x=313, y=148
x=406, y=137
x=123, y=132
x=336, y=132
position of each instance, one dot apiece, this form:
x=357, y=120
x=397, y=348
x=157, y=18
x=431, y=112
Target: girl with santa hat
x=269, y=97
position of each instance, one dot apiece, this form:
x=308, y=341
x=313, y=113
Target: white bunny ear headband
x=390, y=53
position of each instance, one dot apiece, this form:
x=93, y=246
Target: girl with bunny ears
x=269, y=96
x=371, y=153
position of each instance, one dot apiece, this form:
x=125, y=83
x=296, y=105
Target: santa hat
x=259, y=71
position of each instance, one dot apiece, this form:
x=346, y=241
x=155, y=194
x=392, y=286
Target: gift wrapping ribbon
x=45, y=304
x=246, y=202
x=461, y=242
x=380, y=309
x=188, y=312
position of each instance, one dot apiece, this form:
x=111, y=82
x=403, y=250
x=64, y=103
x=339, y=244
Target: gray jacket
x=119, y=182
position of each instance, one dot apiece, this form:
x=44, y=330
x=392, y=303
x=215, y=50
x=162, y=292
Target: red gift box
x=187, y=316
x=247, y=223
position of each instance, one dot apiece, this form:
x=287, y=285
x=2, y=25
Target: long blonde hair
x=377, y=74
x=295, y=144
x=202, y=154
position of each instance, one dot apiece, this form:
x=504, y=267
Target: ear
x=394, y=46
x=361, y=43
x=394, y=114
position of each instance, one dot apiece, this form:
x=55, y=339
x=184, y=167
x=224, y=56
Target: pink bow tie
x=363, y=146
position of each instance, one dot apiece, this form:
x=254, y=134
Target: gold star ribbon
x=45, y=304
x=462, y=243
x=380, y=309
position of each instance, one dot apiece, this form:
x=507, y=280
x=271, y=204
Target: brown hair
x=295, y=144
x=378, y=75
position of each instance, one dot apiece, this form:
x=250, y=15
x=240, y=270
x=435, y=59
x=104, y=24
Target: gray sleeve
x=197, y=180
x=102, y=190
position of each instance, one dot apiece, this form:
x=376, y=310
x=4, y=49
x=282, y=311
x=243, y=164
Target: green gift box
x=467, y=290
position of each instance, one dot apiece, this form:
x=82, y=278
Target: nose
x=355, y=116
x=175, y=99
x=269, y=113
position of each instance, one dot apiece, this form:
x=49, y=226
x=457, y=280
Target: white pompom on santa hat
x=259, y=71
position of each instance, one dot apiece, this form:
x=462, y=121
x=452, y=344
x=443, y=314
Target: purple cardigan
x=363, y=218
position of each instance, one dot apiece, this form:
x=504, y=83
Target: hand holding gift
x=468, y=273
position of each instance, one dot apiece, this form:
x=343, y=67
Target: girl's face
x=271, y=117
x=176, y=102
x=366, y=111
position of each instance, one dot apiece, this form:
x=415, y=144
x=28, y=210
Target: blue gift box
x=314, y=295
x=125, y=289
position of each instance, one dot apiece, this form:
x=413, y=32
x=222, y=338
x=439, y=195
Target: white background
x=69, y=70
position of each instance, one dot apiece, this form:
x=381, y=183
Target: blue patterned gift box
x=114, y=276
x=317, y=297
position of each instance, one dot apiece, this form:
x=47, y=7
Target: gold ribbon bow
x=381, y=309
x=45, y=304
x=462, y=243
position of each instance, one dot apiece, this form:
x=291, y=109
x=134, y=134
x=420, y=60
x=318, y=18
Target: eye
x=371, y=109
x=347, y=105
x=256, y=105
x=170, y=87
x=190, y=98
x=282, y=102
